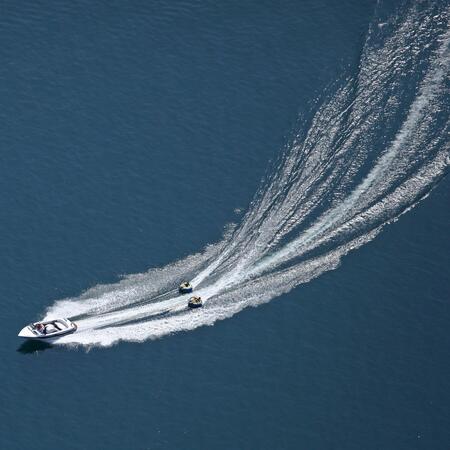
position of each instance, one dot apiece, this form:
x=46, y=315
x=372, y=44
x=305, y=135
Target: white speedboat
x=49, y=329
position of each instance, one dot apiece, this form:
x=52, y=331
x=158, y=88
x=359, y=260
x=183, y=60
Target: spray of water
x=370, y=152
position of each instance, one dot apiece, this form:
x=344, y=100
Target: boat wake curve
x=370, y=152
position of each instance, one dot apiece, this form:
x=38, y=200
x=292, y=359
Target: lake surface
x=135, y=135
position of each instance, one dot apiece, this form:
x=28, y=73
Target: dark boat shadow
x=33, y=347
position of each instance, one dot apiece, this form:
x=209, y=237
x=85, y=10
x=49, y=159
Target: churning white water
x=372, y=150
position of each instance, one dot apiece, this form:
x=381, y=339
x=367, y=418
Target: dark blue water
x=131, y=134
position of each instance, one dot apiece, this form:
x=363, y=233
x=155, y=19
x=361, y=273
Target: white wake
x=369, y=154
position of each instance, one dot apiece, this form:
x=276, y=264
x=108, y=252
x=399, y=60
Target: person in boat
x=195, y=302
x=41, y=328
x=185, y=287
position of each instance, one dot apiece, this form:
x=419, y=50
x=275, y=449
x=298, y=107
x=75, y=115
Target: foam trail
x=340, y=214
x=369, y=153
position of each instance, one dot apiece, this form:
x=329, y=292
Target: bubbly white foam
x=369, y=154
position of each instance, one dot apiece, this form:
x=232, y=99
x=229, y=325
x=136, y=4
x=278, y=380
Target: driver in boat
x=40, y=328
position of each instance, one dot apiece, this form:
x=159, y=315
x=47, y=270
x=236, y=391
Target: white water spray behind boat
x=370, y=152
